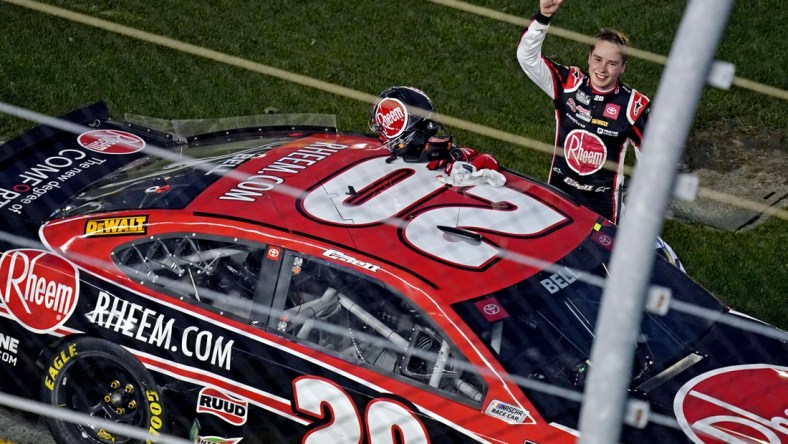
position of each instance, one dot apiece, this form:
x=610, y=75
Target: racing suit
x=592, y=127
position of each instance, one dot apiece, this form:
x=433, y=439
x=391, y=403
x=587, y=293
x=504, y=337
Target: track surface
x=22, y=428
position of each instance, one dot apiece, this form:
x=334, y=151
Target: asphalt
x=22, y=428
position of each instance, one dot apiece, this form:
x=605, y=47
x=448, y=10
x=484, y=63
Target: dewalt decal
x=116, y=226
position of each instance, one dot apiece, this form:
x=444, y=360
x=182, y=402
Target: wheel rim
x=102, y=388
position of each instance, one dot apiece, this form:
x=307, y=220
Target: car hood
x=732, y=384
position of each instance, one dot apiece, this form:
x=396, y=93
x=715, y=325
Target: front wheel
x=103, y=380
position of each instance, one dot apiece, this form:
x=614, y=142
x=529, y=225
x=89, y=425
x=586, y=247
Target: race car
x=286, y=281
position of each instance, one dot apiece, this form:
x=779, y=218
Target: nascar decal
x=229, y=408
x=585, y=153
x=39, y=289
x=111, y=142
x=740, y=404
x=508, y=412
x=115, y=226
x=146, y=325
x=267, y=178
x=47, y=175
x=391, y=117
x=8, y=349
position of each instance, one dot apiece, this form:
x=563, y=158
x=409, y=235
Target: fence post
x=618, y=323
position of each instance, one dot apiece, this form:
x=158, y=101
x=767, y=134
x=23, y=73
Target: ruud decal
x=39, y=289
x=116, y=226
x=742, y=404
x=229, y=408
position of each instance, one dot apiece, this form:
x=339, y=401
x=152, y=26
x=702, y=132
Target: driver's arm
x=529, y=54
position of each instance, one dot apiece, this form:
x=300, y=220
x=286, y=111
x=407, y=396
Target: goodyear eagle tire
x=103, y=380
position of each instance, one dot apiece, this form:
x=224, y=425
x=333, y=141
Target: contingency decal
x=217, y=440
x=334, y=254
x=491, y=309
x=39, y=289
x=229, y=408
x=111, y=142
x=745, y=403
x=116, y=226
x=508, y=412
x=273, y=253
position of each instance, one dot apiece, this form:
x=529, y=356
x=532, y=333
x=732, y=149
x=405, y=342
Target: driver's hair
x=615, y=37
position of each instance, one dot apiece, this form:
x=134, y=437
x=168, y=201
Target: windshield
x=155, y=183
x=543, y=327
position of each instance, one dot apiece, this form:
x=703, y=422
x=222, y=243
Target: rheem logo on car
x=38, y=288
x=740, y=404
x=111, y=142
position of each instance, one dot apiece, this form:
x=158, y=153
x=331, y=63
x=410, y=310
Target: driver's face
x=605, y=65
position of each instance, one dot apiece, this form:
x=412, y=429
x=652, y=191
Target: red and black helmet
x=401, y=118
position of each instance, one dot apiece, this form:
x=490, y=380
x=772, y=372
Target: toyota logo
x=491, y=309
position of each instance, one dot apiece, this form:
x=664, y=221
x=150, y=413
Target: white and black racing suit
x=592, y=127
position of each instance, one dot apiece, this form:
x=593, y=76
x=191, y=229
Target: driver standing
x=597, y=116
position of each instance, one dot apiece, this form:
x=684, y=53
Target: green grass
x=464, y=62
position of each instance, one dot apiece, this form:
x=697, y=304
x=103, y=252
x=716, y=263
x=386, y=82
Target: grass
x=464, y=62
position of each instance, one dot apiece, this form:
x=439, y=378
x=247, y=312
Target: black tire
x=103, y=380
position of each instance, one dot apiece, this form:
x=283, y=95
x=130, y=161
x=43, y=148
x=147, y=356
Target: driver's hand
x=549, y=7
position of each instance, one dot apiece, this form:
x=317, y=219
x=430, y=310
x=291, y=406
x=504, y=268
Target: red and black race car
x=293, y=283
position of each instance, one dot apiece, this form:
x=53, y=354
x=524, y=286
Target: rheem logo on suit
x=585, y=152
x=39, y=289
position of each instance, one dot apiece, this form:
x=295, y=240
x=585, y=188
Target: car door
x=389, y=369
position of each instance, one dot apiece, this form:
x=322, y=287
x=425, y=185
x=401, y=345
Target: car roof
x=345, y=191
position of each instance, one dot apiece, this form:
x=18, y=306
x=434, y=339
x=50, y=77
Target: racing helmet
x=401, y=118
